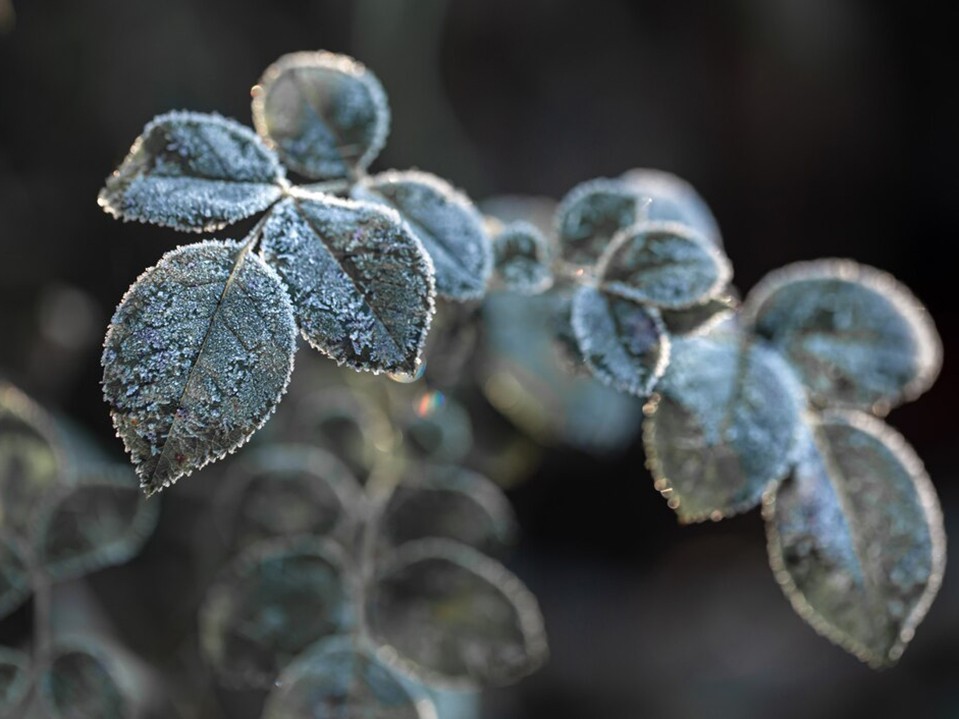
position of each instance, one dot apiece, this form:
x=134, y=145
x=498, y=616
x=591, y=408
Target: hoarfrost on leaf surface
x=700, y=319
x=362, y=287
x=193, y=172
x=856, y=535
x=591, y=214
x=522, y=259
x=196, y=358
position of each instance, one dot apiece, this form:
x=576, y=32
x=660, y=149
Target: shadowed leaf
x=14, y=577
x=79, y=684
x=15, y=679
x=521, y=258
x=699, y=319
x=591, y=214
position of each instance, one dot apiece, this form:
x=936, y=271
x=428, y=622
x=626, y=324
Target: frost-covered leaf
x=856, y=537
x=725, y=425
x=286, y=490
x=325, y=114
x=79, y=684
x=624, y=344
x=14, y=577
x=699, y=319
x=527, y=380
x=673, y=199
x=436, y=427
x=336, y=679
x=591, y=214
x=194, y=172
x=273, y=601
x=449, y=502
x=445, y=221
x=361, y=284
x=857, y=337
x=665, y=264
x=196, y=358
x=521, y=257
x=445, y=612
x=14, y=679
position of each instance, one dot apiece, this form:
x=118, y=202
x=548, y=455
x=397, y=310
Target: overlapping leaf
x=193, y=172
x=591, y=214
x=673, y=199
x=79, y=684
x=701, y=318
x=521, y=259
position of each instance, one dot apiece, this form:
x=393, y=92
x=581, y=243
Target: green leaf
x=665, y=264
x=446, y=613
x=79, y=684
x=856, y=536
x=521, y=259
x=723, y=427
x=193, y=172
x=857, y=337
x=325, y=114
x=337, y=680
x=445, y=221
x=197, y=356
x=361, y=283
x=274, y=600
x=624, y=344
x=14, y=577
x=15, y=679
x=673, y=199
x=591, y=214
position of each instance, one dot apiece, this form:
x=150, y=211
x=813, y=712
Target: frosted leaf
x=673, y=199
x=196, y=358
x=436, y=427
x=445, y=221
x=449, y=502
x=624, y=344
x=361, y=283
x=336, y=679
x=286, y=490
x=273, y=601
x=856, y=336
x=79, y=684
x=665, y=264
x=699, y=319
x=446, y=613
x=522, y=259
x=193, y=172
x=724, y=425
x=14, y=577
x=100, y=522
x=591, y=214
x=325, y=114
x=526, y=379
x=856, y=536
x=31, y=461
x=15, y=679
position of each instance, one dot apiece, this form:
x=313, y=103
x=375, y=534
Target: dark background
x=813, y=128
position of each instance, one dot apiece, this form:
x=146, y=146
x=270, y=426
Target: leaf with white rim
x=445, y=221
x=857, y=337
x=856, y=536
x=197, y=356
x=591, y=214
x=723, y=426
x=521, y=255
x=361, y=284
x=446, y=613
x=702, y=318
x=672, y=198
x=326, y=114
x=194, y=172
x=664, y=264
x=624, y=344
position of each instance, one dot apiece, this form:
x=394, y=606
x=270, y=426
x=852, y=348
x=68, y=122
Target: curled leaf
x=445, y=612
x=194, y=172
x=591, y=214
x=624, y=344
x=445, y=221
x=521, y=258
x=665, y=264
x=856, y=537
x=325, y=114
x=15, y=679
x=724, y=425
x=79, y=684
x=673, y=199
x=196, y=358
x=361, y=284
x=856, y=336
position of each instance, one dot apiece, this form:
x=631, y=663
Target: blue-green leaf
x=624, y=344
x=196, y=358
x=857, y=337
x=272, y=602
x=361, y=283
x=79, y=684
x=193, y=172
x=446, y=613
x=336, y=679
x=591, y=214
x=445, y=221
x=325, y=114
x=522, y=259
x=673, y=199
x=665, y=264
x=723, y=427
x=856, y=537
x=15, y=679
